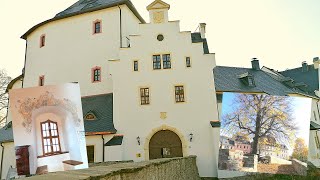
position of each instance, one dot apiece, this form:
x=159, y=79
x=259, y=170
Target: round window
x=160, y=37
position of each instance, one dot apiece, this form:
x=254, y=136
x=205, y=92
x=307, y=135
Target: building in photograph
x=236, y=144
x=271, y=147
x=305, y=78
x=266, y=80
x=133, y=95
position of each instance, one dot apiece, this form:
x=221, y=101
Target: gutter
x=1, y=163
x=102, y=148
x=25, y=61
x=120, y=13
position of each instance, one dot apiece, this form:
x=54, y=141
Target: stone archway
x=161, y=128
x=165, y=144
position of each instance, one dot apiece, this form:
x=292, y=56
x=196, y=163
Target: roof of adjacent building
x=10, y=85
x=102, y=107
x=227, y=80
x=6, y=134
x=314, y=126
x=115, y=141
x=86, y=6
x=309, y=77
x=196, y=37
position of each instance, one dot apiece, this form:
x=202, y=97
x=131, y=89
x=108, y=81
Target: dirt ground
x=276, y=169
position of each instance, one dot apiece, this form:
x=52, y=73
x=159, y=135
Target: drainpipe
x=25, y=61
x=120, y=26
x=318, y=109
x=8, y=110
x=1, y=160
x=102, y=148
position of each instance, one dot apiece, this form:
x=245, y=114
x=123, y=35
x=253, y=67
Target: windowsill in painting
x=53, y=154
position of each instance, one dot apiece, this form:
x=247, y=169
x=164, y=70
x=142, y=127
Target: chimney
x=203, y=30
x=304, y=66
x=316, y=62
x=255, y=64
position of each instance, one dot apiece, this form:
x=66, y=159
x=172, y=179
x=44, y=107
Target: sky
x=301, y=114
x=280, y=33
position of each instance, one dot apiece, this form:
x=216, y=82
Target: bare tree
x=4, y=81
x=260, y=116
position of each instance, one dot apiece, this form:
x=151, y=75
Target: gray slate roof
x=227, y=80
x=309, y=77
x=6, y=134
x=196, y=37
x=86, y=6
x=102, y=107
x=115, y=141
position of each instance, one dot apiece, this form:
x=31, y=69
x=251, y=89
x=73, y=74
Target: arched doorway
x=165, y=144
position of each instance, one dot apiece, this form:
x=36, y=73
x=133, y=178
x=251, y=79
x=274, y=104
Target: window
x=135, y=66
x=188, y=62
x=250, y=81
x=50, y=138
x=42, y=40
x=41, y=80
x=317, y=140
x=90, y=116
x=144, y=96
x=96, y=74
x=156, y=62
x=97, y=27
x=179, y=93
x=160, y=37
x=166, y=61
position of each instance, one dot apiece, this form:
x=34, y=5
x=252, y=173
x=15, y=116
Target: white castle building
x=147, y=88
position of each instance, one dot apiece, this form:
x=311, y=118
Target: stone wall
x=250, y=163
x=230, y=159
x=300, y=167
x=160, y=169
x=276, y=160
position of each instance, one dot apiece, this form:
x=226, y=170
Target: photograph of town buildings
x=260, y=132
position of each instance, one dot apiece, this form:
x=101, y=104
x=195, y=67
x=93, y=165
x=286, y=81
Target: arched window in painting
x=50, y=138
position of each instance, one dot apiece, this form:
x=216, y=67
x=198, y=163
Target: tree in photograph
x=239, y=136
x=259, y=116
x=4, y=81
x=300, y=150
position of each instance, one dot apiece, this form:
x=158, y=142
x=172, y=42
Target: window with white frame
x=163, y=60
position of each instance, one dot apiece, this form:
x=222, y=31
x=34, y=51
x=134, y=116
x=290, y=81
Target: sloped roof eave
x=10, y=85
x=128, y=3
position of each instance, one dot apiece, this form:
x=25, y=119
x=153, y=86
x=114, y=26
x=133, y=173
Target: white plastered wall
x=193, y=116
x=314, y=152
x=72, y=50
x=9, y=158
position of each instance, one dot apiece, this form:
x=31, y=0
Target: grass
x=313, y=174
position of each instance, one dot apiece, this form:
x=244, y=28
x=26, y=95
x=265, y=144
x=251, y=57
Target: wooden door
x=22, y=160
x=165, y=144
x=90, y=154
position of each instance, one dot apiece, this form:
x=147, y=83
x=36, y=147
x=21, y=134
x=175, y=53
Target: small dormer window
x=247, y=79
x=250, y=81
x=90, y=116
